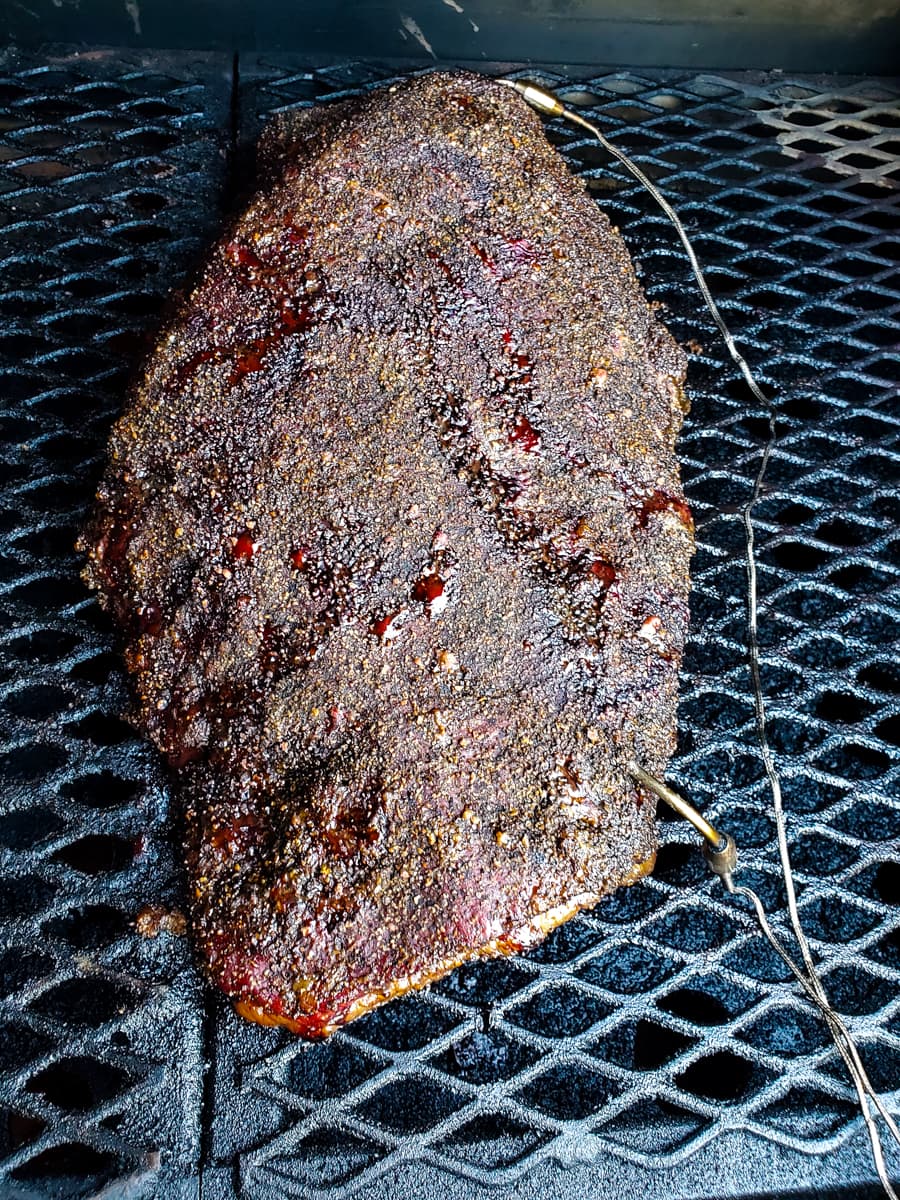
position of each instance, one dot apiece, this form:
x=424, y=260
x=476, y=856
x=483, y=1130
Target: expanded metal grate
x=111, y=172
x=654, y=1044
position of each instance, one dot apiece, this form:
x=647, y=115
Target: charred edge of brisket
x=324, y=1021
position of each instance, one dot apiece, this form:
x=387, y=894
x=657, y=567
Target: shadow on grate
x=110, y=176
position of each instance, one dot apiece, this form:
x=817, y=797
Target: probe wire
x=807, y=975
x=808, y=979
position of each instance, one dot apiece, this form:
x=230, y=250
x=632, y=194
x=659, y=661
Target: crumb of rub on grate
x=394, y=531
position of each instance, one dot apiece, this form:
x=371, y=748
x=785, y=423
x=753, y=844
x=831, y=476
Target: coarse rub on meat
x=394, y=530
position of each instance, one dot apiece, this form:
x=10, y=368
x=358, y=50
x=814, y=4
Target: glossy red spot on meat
x=683, y=512
x=299, y=558
x=525, y=434
x=276, y=648
x=112, y=546
x=603, y=572
x=241, y=256
x=244, y=546
x=385, y=627
x=297, y=235
x=248, y=361
x=507, y=337
x=150, y=619
x=336, y=717
x=295, y=317
x=428, y=589
x=485, y=258
x=191, y=365
x=350, y=830
x=660, y=501
x=243, y=831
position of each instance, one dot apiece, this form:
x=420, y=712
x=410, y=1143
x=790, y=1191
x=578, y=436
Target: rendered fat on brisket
x=394, y=530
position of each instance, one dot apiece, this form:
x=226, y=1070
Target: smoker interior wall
x=803, y=35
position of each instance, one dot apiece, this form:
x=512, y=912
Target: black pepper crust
x=394, y=530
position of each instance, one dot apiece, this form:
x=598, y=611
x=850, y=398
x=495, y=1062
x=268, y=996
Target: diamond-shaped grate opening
x=636, y=1034
x=487, y=1057
x=492, y=1140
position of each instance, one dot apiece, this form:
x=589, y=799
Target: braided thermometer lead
x=721, y=853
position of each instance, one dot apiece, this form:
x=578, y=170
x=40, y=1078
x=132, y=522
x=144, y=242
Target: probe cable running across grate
x=721, y=854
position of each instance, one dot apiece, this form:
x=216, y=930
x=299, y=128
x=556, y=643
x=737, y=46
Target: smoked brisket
x=393, y=527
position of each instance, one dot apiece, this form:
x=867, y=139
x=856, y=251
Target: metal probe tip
x=720, y=851
x=536, y=96
x=722, y=861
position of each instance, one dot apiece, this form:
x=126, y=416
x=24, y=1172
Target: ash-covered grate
x=654, y=1044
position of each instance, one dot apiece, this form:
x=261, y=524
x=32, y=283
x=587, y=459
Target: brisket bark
x=394, y=530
